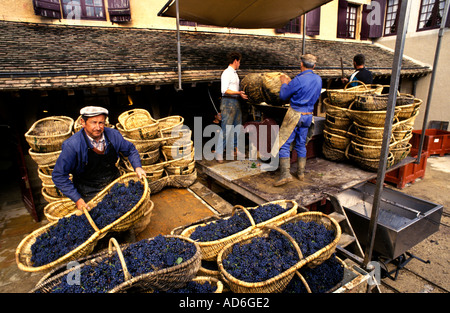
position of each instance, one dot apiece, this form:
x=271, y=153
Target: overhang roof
x=241, y=13
x=44, y=56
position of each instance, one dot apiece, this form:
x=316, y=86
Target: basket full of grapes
x=162, y=263
x=267, y=260
x=116, y=208
x=212, y=236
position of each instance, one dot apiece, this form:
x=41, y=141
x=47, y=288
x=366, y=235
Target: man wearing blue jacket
x=90, y=155
x=303, y=92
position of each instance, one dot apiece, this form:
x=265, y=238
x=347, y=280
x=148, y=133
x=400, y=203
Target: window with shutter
x=430, y=15
x=342, y=19
x=47, y=8
x=119, y=11
x=313, y=22
x=294, y=26
x=83, y=9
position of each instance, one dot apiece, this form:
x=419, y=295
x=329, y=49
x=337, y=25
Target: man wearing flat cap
x=303, y=92
x=90, y=155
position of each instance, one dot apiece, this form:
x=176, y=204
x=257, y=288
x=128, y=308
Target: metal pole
x=304, y=34
x=395, y=78
x=433, y=74
x=178, y=46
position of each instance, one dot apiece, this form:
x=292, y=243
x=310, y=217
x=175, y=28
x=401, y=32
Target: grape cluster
x=310, y=236
x=320, y=279
x=260, y=259
x=226, y=227
x=193, y=287
x=141, y=257
x=74, y=230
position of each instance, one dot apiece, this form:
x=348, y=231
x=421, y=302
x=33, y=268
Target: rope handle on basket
x=114, y=242
x=89, y=218
x=252, y=221
x=303, y=281
x=355, y=81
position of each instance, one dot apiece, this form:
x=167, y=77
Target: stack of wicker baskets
x=45, y=138
x=165, y=147
x=361, y=118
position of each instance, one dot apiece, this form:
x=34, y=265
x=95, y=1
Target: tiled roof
x=44, y=56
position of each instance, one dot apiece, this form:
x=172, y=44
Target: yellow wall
x=144, y=15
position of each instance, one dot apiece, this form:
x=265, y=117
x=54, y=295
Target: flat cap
x=93, y=111
x=309, y=58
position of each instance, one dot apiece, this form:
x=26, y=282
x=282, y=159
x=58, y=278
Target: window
x=430, y=15
x=351, y=20
x=294, y=26
x=390, y=27
x=83, y=9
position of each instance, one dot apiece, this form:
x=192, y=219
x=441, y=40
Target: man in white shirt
x=229, y=105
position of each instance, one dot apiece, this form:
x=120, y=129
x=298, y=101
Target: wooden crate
x=436, y=142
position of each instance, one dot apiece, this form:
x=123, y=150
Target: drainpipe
x=178, y=46
x=433, y=74
x=395, y=78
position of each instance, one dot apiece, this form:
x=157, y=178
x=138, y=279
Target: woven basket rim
x=61, y=118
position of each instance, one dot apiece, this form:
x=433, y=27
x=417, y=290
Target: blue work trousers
x=299, y=135
x=231, y=115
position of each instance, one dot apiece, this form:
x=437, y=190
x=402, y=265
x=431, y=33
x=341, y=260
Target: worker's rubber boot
x=301, y=163
x=285, y=176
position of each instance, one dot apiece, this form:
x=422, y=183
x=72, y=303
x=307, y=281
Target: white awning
x=241, y=13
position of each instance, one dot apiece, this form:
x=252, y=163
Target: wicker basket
x=369, y=132
x=333, y=154
x=329, y=223
x=406, y=111
x=45, y=158
x=48, y=197
x=406, y=124
x=23, y=251
x=48, y=134
x=52, y=190
x=336, y=141
x=181, y=170
x=337, y=122
x=168, y=125
x=169, y=278
x=369, y=118
x=401, y=134
x=400, y=151
x=372, y=102
x=367, y=151
x=275, y=284
x=183, y=180
x=174, y=277
x=343, y=97
x=45, y=178
x=178, y=152
x=58, y=209
x=145, y=145
x=211, y=249
x=177, y=137
x=144, y=221
x=334, y=110
x=368, y=164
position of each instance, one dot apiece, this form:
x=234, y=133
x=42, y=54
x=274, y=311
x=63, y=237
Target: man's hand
x=284, y=79
x=80, y=204
x=344, y=80
x=243, y=95
x=140, y=172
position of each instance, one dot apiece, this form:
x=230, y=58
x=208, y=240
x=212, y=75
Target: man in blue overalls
x=303, y=92
x=90, y=155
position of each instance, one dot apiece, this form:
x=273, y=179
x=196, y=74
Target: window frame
x=433, y=15
x=348, y=20
x=394, y=13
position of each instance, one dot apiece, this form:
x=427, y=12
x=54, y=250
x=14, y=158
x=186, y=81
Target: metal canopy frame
x=394, y=83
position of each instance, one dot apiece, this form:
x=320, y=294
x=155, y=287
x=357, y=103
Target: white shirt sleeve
x=229, y=80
